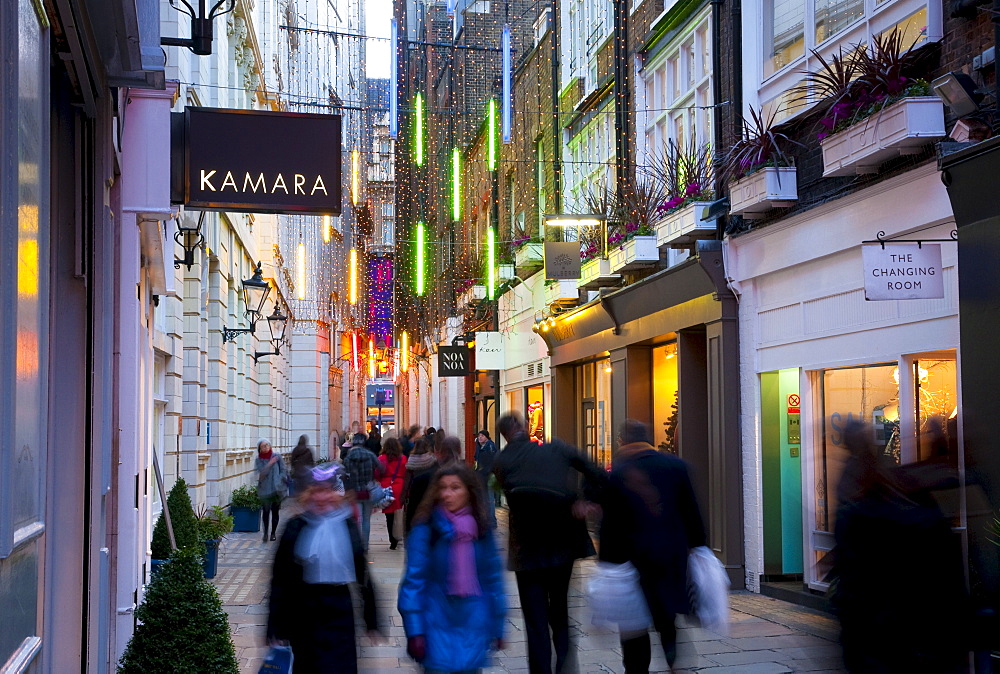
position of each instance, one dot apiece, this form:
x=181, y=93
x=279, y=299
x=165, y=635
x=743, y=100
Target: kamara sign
x=257, y=161
x=903, y=271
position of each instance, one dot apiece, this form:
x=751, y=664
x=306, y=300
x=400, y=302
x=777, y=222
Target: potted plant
x=244, y=506
x=758, y=168
x=595, y=271
x=528, y=253
x=183, y=522
x=687, y=176
x=875, y=105
x=181, y=625
x=213, y=525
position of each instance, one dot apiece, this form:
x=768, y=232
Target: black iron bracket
x=880, y=239
x=230, y=334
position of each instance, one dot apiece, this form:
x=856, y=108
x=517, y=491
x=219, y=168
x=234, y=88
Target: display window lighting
x=352, y=277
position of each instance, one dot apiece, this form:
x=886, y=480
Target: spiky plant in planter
x=182, y=625
x=761, y=144
x=183, y=519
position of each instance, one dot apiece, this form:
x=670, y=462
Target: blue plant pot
x=154, y=566
x=211, y=561
x=245, y=519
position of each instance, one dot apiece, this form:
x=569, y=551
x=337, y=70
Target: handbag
x=708, y=588
x=278, y=661
x=616, y=599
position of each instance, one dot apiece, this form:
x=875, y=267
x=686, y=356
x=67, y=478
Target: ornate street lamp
x=190, y=239
x=255, y=292
x=277, y=324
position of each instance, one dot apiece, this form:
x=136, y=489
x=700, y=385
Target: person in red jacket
x=393, y=474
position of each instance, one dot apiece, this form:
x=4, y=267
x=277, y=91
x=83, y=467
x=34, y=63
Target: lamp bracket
x=230, y=334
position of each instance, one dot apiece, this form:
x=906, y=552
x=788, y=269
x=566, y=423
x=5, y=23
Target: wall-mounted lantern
x=202, y=29
x=277, y=324
x=255, y=292
x=190, y=239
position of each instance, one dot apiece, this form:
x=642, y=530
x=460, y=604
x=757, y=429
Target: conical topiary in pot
x=182, y=518
x=182, y=625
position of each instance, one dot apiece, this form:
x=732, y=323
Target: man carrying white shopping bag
x=651, y=520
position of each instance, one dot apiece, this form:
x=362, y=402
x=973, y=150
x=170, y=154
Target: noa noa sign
x=903, y=271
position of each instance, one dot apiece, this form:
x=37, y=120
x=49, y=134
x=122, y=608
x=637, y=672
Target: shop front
x=817, y=356
x=662, y=350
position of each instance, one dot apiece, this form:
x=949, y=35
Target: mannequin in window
x=536, y=421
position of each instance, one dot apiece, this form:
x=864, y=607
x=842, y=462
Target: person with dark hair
x=362, y=468
x=546, y=535
x=420, y=463
x=408, y=440
x=374, y=442
x=393, y=475
x=651, y=519
x=319, y=557
x=272, y=485
x=451, y=596
x=302, y=462
x=486, y=456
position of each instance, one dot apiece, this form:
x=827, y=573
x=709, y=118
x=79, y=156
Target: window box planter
x=639, y=251
x=562, y=292
x=685, y=226
x=245, y=519
x=471, y=296
x=905, y=127
x=759, y=192
x=596, y=273
x=506, y=272
x=528, y=258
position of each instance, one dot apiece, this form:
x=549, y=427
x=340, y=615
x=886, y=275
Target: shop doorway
x=781, y=475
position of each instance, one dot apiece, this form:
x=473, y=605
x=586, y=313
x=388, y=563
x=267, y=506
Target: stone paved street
x=767, y=636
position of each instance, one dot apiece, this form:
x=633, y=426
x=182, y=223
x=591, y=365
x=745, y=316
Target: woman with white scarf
x=319, y=556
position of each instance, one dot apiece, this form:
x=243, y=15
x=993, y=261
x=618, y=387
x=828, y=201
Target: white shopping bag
x=709, y=590
x=616, y=598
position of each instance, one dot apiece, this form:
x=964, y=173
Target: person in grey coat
x=272, y=484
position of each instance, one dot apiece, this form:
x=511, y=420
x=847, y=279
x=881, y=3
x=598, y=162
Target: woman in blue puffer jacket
x=452, y=597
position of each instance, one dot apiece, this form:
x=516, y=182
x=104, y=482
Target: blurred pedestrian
x=451, y=596
x=408, y=440
x=374, y=442
x=302, y=461
x=319, y=557
x=897, y=581
x=272, y=485
x=393, y=475
x=651, y=519
x=362, y=468
x=420, y=462
x=486, y=456
x=540, y=484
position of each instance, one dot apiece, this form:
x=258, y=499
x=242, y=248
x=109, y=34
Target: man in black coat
x=651, y=518
x=541, y=483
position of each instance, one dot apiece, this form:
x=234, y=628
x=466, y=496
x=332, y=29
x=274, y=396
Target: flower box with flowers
x=470, y=293
x=595, y=272
x=766, y=188
x=681, y=224
x=905, y=126
x=528, y=254
x=632, y=248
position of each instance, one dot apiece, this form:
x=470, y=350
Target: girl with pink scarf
x=452, y=597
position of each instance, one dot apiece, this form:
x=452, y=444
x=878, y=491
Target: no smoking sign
x=793, y=403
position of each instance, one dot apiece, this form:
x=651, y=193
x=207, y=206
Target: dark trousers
x=390, y=519
x=271, y=508
x=543, y=601
x=325, y=640
x=637, y=648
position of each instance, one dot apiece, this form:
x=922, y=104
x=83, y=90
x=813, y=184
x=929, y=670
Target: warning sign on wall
x=793, y=403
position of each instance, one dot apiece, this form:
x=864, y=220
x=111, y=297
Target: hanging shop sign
x=562, y=260
x=489, y=351
x=453, y=361
x=903, y=271
x=255, y=161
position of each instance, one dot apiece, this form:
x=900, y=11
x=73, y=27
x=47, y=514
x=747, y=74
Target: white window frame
x=760, y=90
x=661, y=106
